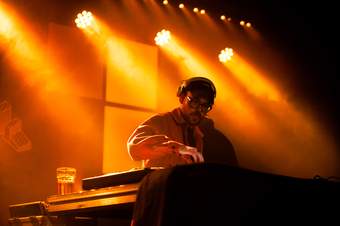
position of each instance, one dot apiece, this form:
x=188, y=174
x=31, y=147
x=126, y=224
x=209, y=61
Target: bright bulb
x=84, y=19
x=226, y=55
x=163, y=37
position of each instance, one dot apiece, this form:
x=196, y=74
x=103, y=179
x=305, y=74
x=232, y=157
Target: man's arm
x=148, y=142
x=145, y=145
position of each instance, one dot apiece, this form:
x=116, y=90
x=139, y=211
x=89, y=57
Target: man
x=184, y=135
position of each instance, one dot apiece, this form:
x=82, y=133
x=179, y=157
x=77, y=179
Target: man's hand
x=192, y=152
x=166, y=146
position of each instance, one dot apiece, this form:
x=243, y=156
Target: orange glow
x=188, y=15
x=279, y=137
x=157, y=10
x=225, y=55
x=254, y=81
x=116, y=134
x=136, y=9
x=7, y=29
x=39, y=69
x=132, y=73
x=131, y=79
x=192, y=63
x=269, y=132
x=232, y=29
x=126, y=68
x=211, y=24
x=176, y=51
x=162, y=37
x=26, y=54
x=87, y=22
x=252, y=32
x=84, y=19
x=274, y=119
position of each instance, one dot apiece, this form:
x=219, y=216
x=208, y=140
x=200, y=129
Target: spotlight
x=165, y=2
x=163, y=37
x=225, y=55
x=84, y=19
x=222, y=17
x=248, y=24
x=195, y=9
x=242, y=23
x=181, y=6
x=202, y=11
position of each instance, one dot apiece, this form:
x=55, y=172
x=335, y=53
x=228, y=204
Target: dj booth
x=198, y=194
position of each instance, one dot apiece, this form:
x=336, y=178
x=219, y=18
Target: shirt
x=153, y=135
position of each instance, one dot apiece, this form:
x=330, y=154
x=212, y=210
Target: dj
x=185, y=135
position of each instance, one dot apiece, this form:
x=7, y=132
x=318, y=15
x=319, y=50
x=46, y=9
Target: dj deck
x=106, y=196
x=199, y=194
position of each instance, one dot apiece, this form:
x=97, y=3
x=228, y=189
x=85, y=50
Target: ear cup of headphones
x=181, y=89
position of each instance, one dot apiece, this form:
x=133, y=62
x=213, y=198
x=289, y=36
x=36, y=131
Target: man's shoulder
x=159, y=117
x=207, y=123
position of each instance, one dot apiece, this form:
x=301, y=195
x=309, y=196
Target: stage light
x=248, y=24
x=7, y=27
x=163, y=37
x=225, y=55
x=84, y=19
x=181, y=6
x=229, y=19
x=242, y=23
x=165, y=2
x=202, y=11
x=195, y=9
x=222, y=17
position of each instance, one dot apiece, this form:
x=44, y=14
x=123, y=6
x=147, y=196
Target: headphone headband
x=187, y=83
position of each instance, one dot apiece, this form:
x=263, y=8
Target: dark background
x=304, y=34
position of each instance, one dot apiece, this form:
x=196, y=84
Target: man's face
x=194, y=106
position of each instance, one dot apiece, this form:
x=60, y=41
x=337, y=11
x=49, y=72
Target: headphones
x=185, y=86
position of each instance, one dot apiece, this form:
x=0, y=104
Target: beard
x=194, y=118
